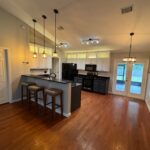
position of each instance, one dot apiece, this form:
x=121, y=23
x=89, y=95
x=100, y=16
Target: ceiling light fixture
x=55, y=52
x=44, y=18
x=34, y=53
x=63, y=45
x=90, y=41
x=129, y=58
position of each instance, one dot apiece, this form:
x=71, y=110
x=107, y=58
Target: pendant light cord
x=56, y=12
x=131, y=34
x=34, y=21
x=55, y=33
x=44, y=17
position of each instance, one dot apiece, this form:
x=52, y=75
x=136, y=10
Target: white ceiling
x=84, y=18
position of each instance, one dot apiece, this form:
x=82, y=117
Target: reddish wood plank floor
x=102, y=123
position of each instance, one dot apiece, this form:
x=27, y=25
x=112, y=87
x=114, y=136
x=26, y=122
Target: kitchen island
x=64, y=85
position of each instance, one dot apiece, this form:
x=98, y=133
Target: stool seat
x=35, y=88
x=24, y=86
x=27, y=83
x=53, y=91
x=33, y=91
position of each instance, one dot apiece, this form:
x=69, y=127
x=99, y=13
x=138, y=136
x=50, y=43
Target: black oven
x=90, y=67
x=88, y=83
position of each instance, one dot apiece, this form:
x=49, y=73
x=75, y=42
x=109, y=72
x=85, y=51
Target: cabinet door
x=93, y=61
x=99, y=64
x=103, y=64
x=81, y=64
x=106, y=64
x=71, y=60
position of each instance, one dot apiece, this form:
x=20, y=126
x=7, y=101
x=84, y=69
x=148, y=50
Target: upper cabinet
x=102, y=59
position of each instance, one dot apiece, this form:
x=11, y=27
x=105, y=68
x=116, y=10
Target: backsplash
x=105, y=74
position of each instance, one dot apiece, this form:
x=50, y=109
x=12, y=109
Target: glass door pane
x=121, y=77
x=136, y=78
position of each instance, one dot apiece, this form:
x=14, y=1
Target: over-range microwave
x=89, y=67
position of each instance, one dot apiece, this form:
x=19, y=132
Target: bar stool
x=25, y=85
x=33, y=91
x=53, y=93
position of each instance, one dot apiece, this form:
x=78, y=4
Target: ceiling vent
x=127, y=9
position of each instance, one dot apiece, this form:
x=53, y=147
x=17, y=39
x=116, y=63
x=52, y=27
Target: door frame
x=8, y=73
x=129, y=71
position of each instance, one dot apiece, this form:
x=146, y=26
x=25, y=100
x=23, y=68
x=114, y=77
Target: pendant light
x=129, y=58
x=55, y=52
x=44, y=18
x=34, y=53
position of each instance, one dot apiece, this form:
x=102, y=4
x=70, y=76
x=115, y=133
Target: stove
x=88, y=81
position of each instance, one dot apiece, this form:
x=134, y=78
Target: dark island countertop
x=73, y=84
x=48, y=79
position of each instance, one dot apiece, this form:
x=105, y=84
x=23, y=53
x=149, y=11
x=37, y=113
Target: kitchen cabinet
x=101, y=84
x=75, y=96
x=78, y=80
x=80, y=64
x=91, y=61
x=103, y=64
x=102, y=59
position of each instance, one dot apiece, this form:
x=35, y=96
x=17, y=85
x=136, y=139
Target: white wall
x=148, y=92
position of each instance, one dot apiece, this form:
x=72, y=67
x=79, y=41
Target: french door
x=130, y=78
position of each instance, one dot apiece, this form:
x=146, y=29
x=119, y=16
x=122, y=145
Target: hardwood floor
x=102, y=123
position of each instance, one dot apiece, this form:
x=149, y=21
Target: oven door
x=88, y=84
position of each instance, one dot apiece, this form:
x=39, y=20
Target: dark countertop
x=73, y=84
x=47, y=79
x=98, y=76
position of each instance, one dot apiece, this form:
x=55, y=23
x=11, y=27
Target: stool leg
x=45, y=99
x=53, y=107
x=36, y=98
x=61, y=104
x=22, y=94
x=27, y=93
x=29, y=98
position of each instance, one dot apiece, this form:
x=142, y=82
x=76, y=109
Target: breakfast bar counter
x=46, y=82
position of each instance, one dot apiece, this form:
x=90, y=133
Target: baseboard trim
x=148, y=105
x=15, y=100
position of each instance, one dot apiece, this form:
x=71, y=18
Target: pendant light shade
x=44, y=53
x=55, y=52
x=34, y=53
x=129, y=58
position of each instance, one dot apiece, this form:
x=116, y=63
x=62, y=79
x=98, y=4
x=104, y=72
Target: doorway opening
x=5, y=95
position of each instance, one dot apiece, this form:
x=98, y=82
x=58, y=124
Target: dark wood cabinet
x=101, y=85
x=75, y=96
x=78, y=79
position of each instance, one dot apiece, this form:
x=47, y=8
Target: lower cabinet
x=78, y=80
x=101, y=85
x=76, y=97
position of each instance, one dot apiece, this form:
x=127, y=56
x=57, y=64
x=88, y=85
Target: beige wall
x=13, y=37
x=16, y=39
